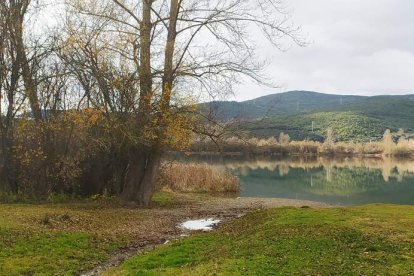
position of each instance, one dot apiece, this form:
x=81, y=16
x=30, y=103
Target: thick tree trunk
x=143, y=167
x=140, y=178
x=144, y=163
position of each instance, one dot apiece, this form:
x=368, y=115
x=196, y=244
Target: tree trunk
x=168, y=78
x=28, y=79
x=144, y=163
x=9, y=174
x=143, y=167
x=145, y=71
x=140, y=178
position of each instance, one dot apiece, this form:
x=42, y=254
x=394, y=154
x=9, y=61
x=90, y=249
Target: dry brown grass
x=271, y=146
x=183, y=177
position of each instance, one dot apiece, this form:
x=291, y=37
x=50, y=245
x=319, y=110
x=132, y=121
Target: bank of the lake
x=91, y=236
x=367, y=240
x=335, y=181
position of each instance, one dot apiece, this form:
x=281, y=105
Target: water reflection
x=388, y=167
x=346, y=181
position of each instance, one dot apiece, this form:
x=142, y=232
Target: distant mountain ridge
x=292, y=111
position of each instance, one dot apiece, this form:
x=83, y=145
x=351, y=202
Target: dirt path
x=189, y=207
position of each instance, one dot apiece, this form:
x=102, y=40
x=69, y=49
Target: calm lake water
x=334, y=181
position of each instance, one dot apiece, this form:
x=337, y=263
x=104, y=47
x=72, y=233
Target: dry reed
x=183, y=177
x=271, y=146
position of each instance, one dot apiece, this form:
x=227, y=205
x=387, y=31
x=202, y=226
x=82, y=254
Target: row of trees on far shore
x=396, y=145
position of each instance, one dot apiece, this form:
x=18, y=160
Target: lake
x=346, y=181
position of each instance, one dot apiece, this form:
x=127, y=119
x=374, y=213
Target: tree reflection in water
x=343, y=181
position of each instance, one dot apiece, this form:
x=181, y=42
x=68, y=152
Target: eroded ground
x=368, y=240
x=90, y=237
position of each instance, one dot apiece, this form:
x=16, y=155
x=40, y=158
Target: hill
x=307, y=115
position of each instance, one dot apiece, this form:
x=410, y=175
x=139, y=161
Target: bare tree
x=17, y=11
x=175, y=49
x=30, y=78
x=9, y=86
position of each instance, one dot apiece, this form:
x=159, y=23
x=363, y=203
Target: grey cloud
x=363, y=47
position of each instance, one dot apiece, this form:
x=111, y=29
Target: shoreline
x=133, y=231
x=293, y=155
x=225, y=209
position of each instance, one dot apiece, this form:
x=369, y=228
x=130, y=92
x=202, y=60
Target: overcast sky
x=361, y=47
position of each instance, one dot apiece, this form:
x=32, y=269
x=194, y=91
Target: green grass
x=369, y=240
x=163, y=199
x=40, y=248
x=28, y=253
x=65, y=239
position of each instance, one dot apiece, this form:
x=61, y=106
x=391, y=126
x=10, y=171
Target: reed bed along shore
x=389, y=146
x=190, y=177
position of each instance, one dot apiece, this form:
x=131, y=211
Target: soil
x=190, y=207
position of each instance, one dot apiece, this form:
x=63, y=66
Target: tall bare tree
x=29, y=78
x=9, y=86
x=17, y=11
x=175, y=49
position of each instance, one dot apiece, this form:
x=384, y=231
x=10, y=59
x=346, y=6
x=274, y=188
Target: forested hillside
x=307, y=115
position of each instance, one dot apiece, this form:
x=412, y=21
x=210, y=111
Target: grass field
x=369, y=240
x=64, y=239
